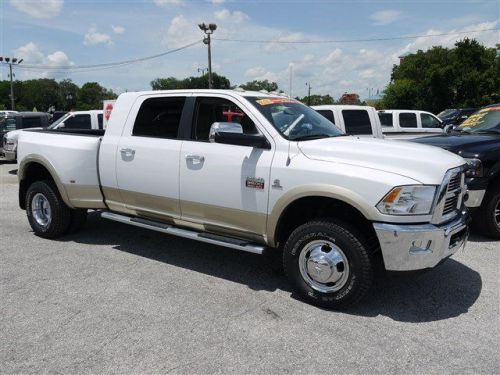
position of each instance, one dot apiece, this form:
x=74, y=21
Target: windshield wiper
x=312, y=136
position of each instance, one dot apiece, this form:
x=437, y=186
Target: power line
x=350, y=40
x=89, y=68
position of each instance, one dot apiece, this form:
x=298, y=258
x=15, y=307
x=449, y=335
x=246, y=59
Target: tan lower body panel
x=84, y=196
x=198, y=216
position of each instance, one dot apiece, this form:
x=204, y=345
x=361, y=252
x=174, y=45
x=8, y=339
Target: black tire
x=360, y=271
x=77, y=220
x=59, y=212
x=486, y=220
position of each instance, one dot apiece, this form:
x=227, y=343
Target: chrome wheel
x=496, y=213
x=40, y=209
x=323, y=266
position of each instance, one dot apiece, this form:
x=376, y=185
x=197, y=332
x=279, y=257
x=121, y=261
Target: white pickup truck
x=258, y=173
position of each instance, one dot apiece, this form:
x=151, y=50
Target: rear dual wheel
x=48, y=215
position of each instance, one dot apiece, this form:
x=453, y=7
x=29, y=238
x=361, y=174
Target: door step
x=214, y=239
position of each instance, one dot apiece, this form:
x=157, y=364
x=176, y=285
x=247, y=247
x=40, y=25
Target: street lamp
x=202, y=71
x=11, y=61
x=308, y=84
x=68, y=100
x=208, y=30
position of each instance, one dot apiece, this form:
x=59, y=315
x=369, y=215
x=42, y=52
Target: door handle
x=195, y=158
x=127, y=151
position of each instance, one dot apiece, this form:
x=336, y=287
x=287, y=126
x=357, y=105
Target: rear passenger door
x=147, y=160
x=357, y=122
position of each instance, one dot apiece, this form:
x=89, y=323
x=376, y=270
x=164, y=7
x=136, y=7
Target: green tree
x=467, y=75
x=317, y=99
x=68, y=92
x=172, y=83
x=257, y=85
x=39, y=93
x=91, y=95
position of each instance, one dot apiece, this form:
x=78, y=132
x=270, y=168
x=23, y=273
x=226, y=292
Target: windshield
x=7, y=124
x=486, y=120
x=61, y=119
x=294, y=120
x=448, y=113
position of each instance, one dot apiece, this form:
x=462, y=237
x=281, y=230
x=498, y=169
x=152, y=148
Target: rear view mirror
x=61, y=125
x=231, y=133
x=224, y=127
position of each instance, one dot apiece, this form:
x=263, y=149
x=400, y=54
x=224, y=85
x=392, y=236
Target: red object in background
x=230, y=116
x=107, y=111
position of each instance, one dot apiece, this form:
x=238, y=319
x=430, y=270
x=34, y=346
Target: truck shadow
x=445, y=292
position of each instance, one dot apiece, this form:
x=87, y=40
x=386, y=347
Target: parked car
x=21, y=120
x=477, y=139
x=353, y=119
x=455, y=116
x=72, y=120
x=5, y=113
x=282, y=180
x=408, y=124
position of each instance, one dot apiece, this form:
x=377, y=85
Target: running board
x=213, y=239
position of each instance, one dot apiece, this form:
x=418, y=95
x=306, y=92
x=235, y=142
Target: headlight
x=408, y=200
x=474, y=168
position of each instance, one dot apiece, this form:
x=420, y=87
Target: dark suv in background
x=477, y=140
x=22, y=120
x=455, y=116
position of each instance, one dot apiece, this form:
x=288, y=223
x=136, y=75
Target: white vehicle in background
x=353, y=119
x=409, y=124
x=253, y=172
x=80, y=120
x=5, y=113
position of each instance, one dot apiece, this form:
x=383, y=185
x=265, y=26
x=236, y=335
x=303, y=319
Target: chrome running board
x=213, y=239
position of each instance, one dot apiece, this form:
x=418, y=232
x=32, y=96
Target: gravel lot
x=118, y=299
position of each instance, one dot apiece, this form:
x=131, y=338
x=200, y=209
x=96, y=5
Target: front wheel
x=488, y=216
x=328, y=264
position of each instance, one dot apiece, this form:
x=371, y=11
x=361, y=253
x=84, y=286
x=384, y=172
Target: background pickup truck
x=409, y=124
x=279, y=178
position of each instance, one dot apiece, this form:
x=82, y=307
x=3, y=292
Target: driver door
x=224, y=187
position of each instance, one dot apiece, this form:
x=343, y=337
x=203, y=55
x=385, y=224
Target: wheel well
x=309, y=208
x=32, y=172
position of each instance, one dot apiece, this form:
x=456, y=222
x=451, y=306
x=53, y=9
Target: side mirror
x=231, y=133
x=448, y=128
x=61, y=126
x=464, y=117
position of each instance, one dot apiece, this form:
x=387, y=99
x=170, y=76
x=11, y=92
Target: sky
x=62, y=33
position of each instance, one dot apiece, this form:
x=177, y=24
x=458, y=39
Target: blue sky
x=65, y=32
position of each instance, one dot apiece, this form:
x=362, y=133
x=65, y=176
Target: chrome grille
x=450, y=196
x=455, y=182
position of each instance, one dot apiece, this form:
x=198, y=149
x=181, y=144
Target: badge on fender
x=255, y=183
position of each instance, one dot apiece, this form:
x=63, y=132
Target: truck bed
x=71, y=158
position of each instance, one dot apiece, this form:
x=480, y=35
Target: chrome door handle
x=127, y=151
x=195, y=158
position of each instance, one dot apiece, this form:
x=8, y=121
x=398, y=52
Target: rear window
x=385, y=119
x=159, y=118
x=357, y=121
x=78, y=122
x=99, y=120
x=326, y=113
x=408, y=120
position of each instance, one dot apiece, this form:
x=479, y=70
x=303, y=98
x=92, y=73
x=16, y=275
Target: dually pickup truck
x=254, y=172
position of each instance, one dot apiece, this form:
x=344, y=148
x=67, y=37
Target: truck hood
x=424, y=164
x=14, y=134
x=464, y=144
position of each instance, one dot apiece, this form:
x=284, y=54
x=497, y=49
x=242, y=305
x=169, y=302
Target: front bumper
x=415, y=247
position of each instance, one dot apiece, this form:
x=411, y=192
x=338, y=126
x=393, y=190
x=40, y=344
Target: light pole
x=69, y=97
x=202, y=71
x=11, y=61
x=308, y=93
x=208, y=30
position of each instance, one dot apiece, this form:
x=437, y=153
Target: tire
x=77, y=220
x=328, y=264
x=488, y=216
x=47, y=213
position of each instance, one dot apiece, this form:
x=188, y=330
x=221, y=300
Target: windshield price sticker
x=474, y=120
x=275, y=101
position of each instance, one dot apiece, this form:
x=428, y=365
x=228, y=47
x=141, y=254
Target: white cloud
x=235, y=16
x=385, y=17
x=165, y=3
x=182, y=31
x=333, y=57
x=32, y=55
x=39, y=8
x=217, y=2
x=93, y=37
x=118, y=29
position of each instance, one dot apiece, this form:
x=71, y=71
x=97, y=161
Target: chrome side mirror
x=224, y=127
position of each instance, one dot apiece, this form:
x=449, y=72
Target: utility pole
x=202, y=71
x=11, y=61
x=208, y=30
x=308, y=84
x=291, y=79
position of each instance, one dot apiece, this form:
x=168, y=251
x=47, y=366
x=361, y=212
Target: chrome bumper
x=414, y=247
x=475, y=198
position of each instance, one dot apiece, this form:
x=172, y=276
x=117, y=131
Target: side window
x=357, y=121
x=31, y=122
x=326, y=113
x=10, y=124
x=429, y=121
x=210, y=110
x=78, y=122
x=408, y=120
x=159, y=118
x=99, y=120
x=386, y=119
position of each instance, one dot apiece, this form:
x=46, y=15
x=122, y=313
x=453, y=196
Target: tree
x=40, y=93
x=256, y=85
x=467, y=75
x=91, y=96
x=317, y=99
x=172, y=83
x=68, y=92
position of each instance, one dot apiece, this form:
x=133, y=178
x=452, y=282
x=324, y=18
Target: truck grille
x=451, y=196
